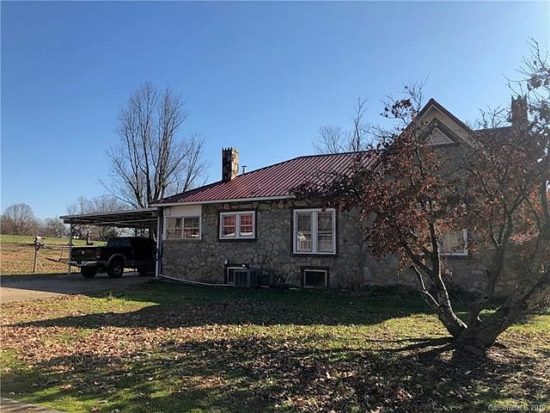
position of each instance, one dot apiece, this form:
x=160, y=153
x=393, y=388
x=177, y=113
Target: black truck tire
x=88, y=272
x=115, y=269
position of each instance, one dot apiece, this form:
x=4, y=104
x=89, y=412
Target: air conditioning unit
x=245, y=278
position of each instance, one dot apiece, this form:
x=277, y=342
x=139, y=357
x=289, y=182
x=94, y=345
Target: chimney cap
x=230, y=163
x=518, y=111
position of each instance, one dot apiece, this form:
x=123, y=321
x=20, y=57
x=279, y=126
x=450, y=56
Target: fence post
x=70, y=249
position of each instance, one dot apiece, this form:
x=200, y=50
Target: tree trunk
x=479, y=338
x=441, y=303
x=445, y=311
x=483, y=334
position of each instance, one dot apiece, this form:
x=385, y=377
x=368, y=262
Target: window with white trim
x=238, y=225
x=454, y=243
x=314, y=278
x=314, y=231
x=183, y=228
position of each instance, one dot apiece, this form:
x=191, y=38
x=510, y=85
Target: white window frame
x=314, y=270
x=237, y=215
x=463, y=253
x=314, y=231
x=184, y=217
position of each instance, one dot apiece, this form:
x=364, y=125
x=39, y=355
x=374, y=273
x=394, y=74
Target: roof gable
x=451, y=129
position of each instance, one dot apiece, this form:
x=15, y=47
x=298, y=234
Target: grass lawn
x=17, y=254
x=174, y=348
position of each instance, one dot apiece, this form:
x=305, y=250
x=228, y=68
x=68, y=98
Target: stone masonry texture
x=351, y=268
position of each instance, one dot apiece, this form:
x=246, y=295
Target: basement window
x=237, y=225
x=314, y=278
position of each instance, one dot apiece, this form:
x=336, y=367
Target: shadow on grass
x=188, y=306
x=257, y=374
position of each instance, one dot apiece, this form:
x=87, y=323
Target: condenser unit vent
x=245, y=278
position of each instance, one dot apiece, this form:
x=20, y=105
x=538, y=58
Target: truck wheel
x=145, y=271
x=115, y=268
x=88, y=272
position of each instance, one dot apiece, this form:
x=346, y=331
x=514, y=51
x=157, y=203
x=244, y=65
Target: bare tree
x=334, y=139
x=98, y=204
x=151, y=161
x=52, y=227
x=18, y=219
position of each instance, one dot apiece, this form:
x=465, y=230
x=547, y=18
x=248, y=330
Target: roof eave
x=222, y=201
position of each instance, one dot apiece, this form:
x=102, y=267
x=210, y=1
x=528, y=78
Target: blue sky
x=258, y=76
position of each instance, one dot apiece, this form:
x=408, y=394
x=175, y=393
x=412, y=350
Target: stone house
x=252, y=219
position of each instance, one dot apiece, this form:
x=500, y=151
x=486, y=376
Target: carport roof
x=136, y=218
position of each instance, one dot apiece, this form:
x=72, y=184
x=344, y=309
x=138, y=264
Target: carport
x=146, y=218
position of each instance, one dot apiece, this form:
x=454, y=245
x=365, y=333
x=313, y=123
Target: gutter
x=221, y=201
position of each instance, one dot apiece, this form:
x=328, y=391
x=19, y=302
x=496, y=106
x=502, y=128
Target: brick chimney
x=230, y=164
x=518, y=112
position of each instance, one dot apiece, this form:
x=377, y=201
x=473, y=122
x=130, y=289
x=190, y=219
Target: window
x=183, y=228
x=238, y=225
x=314, y=231
x=314, y=278
x=119, y=242
x=454, y=243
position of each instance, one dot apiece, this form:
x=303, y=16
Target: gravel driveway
x=33, y=287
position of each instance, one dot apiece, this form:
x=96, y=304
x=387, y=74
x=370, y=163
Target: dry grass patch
x=17, y=254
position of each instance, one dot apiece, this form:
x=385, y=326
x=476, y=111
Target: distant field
x=17, y=254
x=29, y=239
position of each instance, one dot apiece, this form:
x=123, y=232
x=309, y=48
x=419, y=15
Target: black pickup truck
x=118, y=254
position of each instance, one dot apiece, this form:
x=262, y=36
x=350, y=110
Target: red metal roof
x=274, y=181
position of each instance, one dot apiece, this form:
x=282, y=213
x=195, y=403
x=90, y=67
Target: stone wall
x=351, y=268
x=204, y=259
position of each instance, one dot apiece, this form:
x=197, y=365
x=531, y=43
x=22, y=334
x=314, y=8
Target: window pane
x=324, y=242
x=173, y=222
x=191, y=233
x=314, y=278
x=452, y=242
x=191, y=222
x=303, y=241
x=229, y=226
x=324, y=220
x=246, y=222
x=173, y=228
x=304, y=221
x=172, y=233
